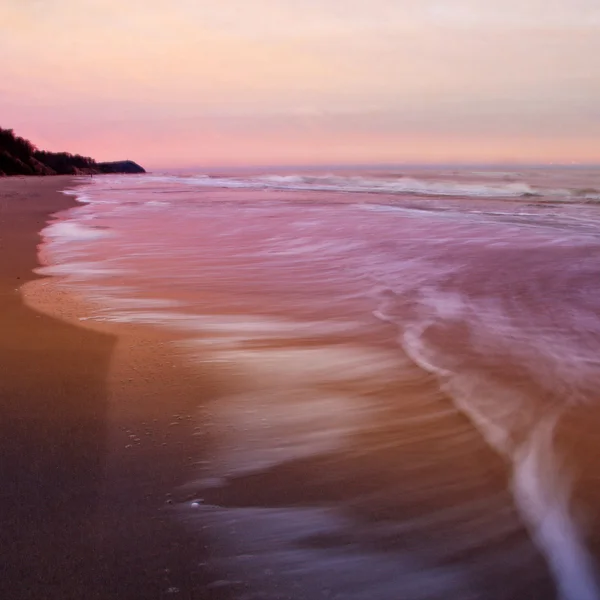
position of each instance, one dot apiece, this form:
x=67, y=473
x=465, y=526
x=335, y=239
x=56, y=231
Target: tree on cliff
x=19, y=156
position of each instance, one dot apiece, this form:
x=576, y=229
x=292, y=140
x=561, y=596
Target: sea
x=412, y=358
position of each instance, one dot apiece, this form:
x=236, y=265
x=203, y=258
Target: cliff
x=19, y=156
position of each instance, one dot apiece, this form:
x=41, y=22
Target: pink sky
x=196, y=82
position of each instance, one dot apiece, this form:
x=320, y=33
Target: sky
x=179, y=83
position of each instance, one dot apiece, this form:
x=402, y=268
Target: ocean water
x=412, y=367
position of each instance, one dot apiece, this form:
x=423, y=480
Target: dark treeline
x=19, y=156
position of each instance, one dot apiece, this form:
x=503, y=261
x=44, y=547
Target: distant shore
x=88, y=458
x=19, y=156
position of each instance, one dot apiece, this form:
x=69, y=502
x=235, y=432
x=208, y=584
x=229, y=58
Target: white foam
x=73, y=231
x=140, y=303
x=226, y=328
x=79, y=194
x=298, y=366
x=338, y=183
x=157, y=203
x=542, y=494
x=80, y=270
x=447, y=305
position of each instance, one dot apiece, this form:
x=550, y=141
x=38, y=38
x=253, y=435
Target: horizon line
x=367, y=165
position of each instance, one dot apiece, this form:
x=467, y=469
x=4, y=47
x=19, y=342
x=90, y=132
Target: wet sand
x=89, y=454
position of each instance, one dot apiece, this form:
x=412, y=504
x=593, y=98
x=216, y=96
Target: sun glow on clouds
x=190, y=81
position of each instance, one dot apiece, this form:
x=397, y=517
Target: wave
x=67, y=231
x=517, y=428
x=360, y=184
x=398, y=184
x=291, y=408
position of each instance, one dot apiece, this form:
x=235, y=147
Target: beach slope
x=82, y=513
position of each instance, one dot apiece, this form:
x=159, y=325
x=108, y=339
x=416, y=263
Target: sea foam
x=73, y=231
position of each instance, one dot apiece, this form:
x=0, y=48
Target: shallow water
x=413, y=366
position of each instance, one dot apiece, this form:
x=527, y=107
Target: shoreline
x=151, y=452
x=89, y=456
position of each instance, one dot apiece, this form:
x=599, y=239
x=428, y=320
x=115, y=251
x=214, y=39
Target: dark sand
x=88, y=457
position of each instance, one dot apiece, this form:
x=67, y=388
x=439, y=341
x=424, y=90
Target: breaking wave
x=400, y=185
x=360, y=184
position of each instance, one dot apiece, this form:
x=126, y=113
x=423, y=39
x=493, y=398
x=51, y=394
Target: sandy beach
x=300, y=301
x=90, y=451
x=194, y=407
